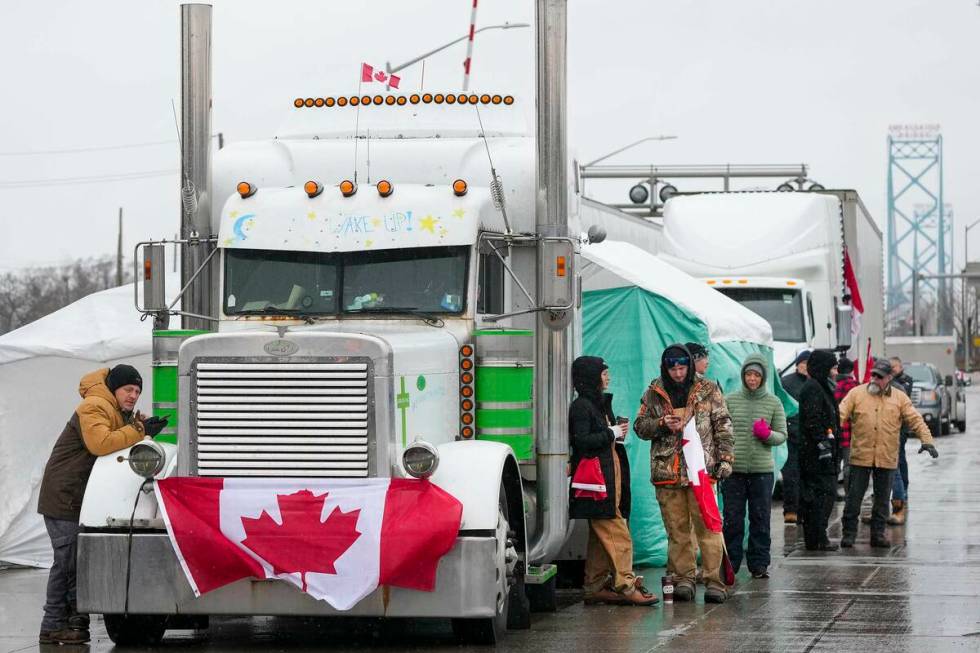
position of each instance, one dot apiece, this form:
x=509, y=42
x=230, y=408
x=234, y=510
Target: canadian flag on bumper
x=335, y=539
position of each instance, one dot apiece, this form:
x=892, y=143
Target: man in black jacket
x=819, y=449
x=793, y=384
x=596, y=433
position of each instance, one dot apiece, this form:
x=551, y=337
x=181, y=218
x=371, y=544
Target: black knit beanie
x=122, y=375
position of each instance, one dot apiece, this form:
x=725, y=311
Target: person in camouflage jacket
x=674, y=398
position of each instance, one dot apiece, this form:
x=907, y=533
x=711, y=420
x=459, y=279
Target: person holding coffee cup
x=600, y=488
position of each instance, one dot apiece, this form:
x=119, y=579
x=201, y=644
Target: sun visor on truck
x=411, y=215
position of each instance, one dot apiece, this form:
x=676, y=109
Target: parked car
x=932, y=396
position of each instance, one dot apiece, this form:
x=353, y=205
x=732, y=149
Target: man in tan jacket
x=105, y=422
x=876, y=412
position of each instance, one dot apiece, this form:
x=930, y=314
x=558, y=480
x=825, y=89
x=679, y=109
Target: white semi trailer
x=404, y=315
x=781, y=254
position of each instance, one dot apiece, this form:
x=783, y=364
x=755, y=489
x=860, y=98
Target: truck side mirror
x=154, y=278
x=844, y=317
x=949, y=380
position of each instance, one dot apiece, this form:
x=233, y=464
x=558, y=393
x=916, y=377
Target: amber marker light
x=466, y=391
x=439, y=97
x=467, y=432
x=560, y=266
x=365, y=99
x=308, y=102
x=466, y=350
x=508, y=100
x=474, y=99
x=298, y=102
x=312, y=188
x=466, y=404
x=466, y=364
x=414, y=98
x=246, y=189
x=466, y=377
x=451, y=99
x=318, y=102
x=391, y=100
x=459, y=188
x=354, y=101
x=484, y=99
x=496, y=99
x=378, y=99
x=347, y=188
x=330, y=102
x=384, y=188
x=427, y=98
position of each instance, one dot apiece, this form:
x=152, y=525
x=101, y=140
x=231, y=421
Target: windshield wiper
x=272, y=310
x=429, y=318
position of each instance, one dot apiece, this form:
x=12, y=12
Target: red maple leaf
x=380, y=76
x=303, y=543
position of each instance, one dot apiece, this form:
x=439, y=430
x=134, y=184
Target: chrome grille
x=916, y=395
x=281, y=419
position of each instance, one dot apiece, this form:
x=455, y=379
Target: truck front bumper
x=465, y=585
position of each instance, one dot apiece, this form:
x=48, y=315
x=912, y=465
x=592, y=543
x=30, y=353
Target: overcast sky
x=739, y=81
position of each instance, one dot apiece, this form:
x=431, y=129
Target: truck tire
x=935, y=429
x=483, y=631
x=946, y=426
x=135, y=629
x=961, y=425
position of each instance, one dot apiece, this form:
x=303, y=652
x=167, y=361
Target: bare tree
x=31, y=293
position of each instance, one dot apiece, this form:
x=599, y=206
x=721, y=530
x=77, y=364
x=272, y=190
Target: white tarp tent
x=40, y=366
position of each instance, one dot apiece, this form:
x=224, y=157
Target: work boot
x=761, y=572
x=715, y=595
x=77, y=621
x=897, y=517
x=639, y=595
x=604, y=595
x=684, y=591
x=63, y=636
x=789, y=517
x=847, y=542
x=880, y=541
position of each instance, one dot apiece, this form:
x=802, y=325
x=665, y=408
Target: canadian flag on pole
x=698, y=477
x=370, y=74
x=857, y=309
x=335, y=539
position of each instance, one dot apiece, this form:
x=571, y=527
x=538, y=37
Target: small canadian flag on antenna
x=370, y=74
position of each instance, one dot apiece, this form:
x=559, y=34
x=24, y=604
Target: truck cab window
x=781, y=308
x=426, y=279
x=490, y=285
x=809, y=312
x=266, y=280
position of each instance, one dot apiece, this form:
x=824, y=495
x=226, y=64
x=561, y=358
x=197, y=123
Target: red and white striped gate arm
x=469, y=49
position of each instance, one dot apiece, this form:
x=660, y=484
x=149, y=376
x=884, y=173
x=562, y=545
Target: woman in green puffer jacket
x=759, y=423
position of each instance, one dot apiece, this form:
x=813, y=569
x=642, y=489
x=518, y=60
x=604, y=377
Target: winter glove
x=761, y=430
x=931, y=449
x=723, y=470
x=154, y=425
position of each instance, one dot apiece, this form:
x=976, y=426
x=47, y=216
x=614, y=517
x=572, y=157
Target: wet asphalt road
x=921, y=595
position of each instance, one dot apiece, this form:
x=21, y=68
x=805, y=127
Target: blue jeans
x=755, y=490
x=60, y=600
x=900, y=486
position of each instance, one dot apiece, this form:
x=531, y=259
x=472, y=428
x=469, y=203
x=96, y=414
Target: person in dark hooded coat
x=819, y=449
x=596, y=433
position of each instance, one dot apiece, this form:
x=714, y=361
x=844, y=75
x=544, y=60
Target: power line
x=93, y=179
x=96, y=148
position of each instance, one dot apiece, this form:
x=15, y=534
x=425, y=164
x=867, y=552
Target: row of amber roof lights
x=401, y=100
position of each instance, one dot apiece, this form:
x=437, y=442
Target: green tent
x=634, y=305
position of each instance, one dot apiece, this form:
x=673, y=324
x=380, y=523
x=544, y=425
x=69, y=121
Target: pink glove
x=761, y=430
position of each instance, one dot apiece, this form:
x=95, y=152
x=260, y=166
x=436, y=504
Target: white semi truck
x=399, y=312
x=781, y=254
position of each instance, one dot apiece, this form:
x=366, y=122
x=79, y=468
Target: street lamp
x=966, y=241
x=626, y=147
x=419, y=58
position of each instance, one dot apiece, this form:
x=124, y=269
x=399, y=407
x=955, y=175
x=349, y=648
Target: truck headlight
x=146, y=458
x=420, y=459
x=929, y=397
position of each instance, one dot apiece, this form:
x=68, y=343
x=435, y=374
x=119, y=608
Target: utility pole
x=119, y=251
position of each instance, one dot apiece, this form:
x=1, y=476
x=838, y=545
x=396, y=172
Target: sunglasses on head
x=674, y=361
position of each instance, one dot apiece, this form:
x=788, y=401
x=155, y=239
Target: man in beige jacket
x=876, y=412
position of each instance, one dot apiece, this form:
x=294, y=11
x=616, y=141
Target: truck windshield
x=920, y=373
x=782, y=309
x=425, y=280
